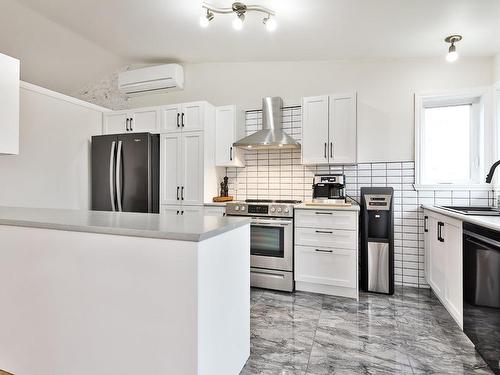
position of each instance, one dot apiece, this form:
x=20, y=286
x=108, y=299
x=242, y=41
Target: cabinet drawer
x=342, y=239
x=326, y=219
x=335, y=267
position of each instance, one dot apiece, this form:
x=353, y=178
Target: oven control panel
x=259, y=209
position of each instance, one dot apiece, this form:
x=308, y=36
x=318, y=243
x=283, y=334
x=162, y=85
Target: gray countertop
x=491, y=222
x=171, y=227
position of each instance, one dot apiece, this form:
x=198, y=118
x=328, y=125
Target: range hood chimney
x=272, y=135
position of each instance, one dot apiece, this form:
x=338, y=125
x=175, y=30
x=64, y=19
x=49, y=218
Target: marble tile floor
x=407, y=333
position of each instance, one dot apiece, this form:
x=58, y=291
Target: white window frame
x=481, y=100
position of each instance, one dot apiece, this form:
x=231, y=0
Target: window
x=449, y=140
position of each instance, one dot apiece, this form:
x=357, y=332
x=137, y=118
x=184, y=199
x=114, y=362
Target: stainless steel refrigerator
x=125, y=172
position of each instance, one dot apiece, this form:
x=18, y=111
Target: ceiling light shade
x=452, y=55
x=270, y=23
x=238, y=21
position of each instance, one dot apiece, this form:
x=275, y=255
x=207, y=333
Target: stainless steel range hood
x=272, y=135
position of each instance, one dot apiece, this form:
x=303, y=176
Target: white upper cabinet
x=192, y=116
x=315, y=130
x=9, y=105
x=342, y=129
x=229, y=127
x=135, y=121
x=329, y=129
x=182, y=117
x=170, y=118
x=145, y=120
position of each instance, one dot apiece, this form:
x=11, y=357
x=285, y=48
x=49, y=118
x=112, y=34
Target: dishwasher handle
x=485, y=240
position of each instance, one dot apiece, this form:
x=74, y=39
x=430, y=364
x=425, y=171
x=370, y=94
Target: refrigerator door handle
x=118, y=169
x=111, y=182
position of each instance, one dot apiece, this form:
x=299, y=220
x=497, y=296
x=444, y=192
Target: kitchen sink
x=471, y=210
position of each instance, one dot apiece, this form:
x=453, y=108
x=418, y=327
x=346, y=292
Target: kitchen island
x=88, y=292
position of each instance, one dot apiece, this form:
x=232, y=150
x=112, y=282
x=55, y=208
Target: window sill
x=475, y=187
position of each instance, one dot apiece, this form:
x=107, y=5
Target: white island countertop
x=491, y=222
x=172, y=227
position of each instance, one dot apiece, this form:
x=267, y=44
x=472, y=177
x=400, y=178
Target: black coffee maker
x=329, y=188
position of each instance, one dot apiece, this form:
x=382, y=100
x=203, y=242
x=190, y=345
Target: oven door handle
x=272, y=223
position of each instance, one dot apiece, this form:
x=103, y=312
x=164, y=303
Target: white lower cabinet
x=167, y=209
x=443, y=261
x=326, y=266
x=326, y=251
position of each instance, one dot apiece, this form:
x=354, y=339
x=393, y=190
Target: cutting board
x=222, y=199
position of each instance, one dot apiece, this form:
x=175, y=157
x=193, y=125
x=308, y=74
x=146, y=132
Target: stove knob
x=242, y=208
x=273, y=209
x=236, y=208
x=286, y=210
x=279, y=209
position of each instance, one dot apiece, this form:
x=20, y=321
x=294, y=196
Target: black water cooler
x=377, y=239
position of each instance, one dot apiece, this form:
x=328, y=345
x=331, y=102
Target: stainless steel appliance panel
x=271, y=244
x=378, y=267
x=271, y=279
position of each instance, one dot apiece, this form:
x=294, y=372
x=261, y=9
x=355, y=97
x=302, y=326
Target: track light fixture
x=452, y=51
x=240, y=10
x=205, y=19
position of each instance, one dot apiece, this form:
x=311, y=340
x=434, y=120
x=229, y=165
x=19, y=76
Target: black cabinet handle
x=331, y=149
x=178, y=115
x=131, y=129
x=177, y=212
x=323, y=213
x=324, y=231
x=177, y=192
x=231, y=153
x=324, y=251
x=440, y=231
x=425, y=224
x=325, y=150
x=126, y=123
x=182, y=193
x=182, y=120
x=182, y=212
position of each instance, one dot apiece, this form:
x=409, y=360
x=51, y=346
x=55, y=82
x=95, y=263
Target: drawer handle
x=324, y=213
x=324, y=251
x=324, y=231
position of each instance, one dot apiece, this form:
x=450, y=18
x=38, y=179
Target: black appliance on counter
x=125, y=172
x=377, y=239
x=329, y=188
x=481, y=289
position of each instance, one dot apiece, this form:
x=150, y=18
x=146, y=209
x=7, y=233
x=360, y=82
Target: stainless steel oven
x=271, y=242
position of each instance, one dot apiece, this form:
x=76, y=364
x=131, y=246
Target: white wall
x=385, y=91
x=496, y=68
x=53, y=166
x=51, y=55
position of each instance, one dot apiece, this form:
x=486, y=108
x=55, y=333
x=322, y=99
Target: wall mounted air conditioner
x=154, y=79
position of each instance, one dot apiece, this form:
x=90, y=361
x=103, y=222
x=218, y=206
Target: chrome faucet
x=489, y=177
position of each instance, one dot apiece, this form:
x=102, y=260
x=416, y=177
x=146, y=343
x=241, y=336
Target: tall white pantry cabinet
x=188, y=174
x=9, y=104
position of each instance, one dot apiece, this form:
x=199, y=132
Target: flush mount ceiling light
x=452, y=51
x=239, y=9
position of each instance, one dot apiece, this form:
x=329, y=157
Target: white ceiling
x=167, y=30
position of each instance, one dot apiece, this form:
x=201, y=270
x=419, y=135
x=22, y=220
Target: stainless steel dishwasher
x=481, y=282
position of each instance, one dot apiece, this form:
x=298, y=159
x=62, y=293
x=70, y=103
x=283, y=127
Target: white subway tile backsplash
x=278, y=174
